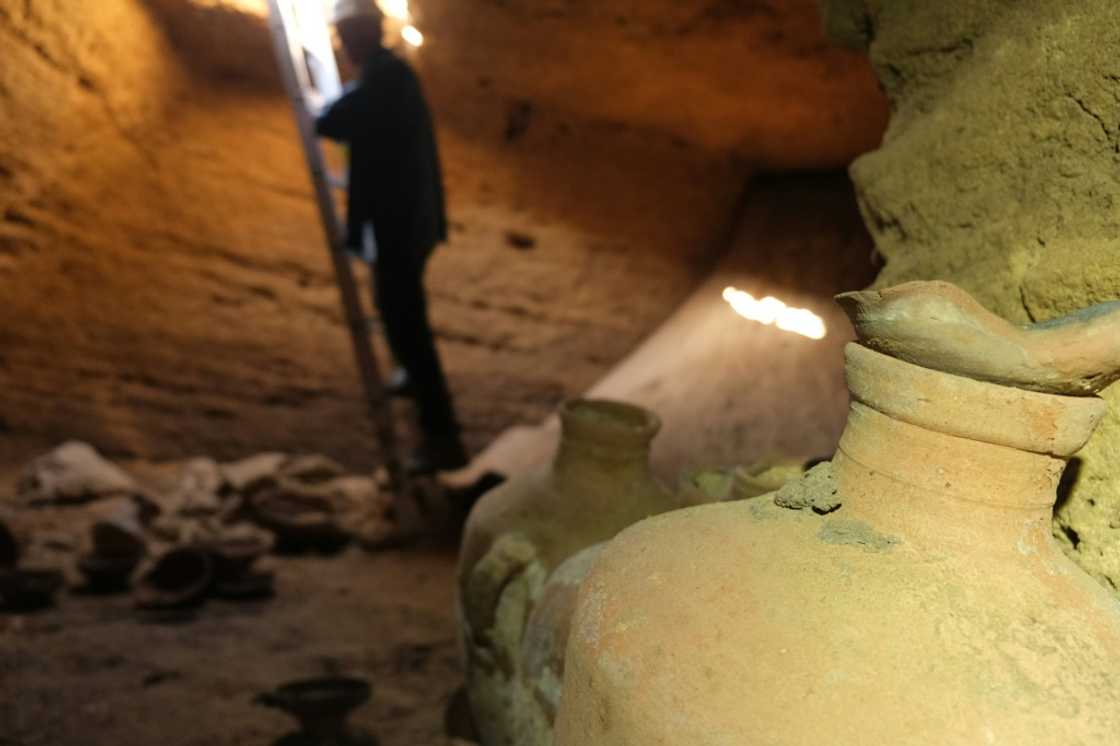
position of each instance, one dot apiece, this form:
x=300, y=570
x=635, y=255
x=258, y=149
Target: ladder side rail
x=377, y=401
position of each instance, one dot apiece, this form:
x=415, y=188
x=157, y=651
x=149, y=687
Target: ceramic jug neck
x=600, y=437
x=942, y=492
x=953, y=468
x=929, y=455
x=579, y=458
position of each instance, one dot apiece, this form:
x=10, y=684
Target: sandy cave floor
x=94, y=672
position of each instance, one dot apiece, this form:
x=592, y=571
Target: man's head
x=358, y=23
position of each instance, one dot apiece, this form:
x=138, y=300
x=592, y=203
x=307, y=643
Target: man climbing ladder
x=395, y=202
x=395, y=216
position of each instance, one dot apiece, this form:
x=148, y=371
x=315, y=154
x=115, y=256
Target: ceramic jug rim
x=607, y=421
x=1053, y=424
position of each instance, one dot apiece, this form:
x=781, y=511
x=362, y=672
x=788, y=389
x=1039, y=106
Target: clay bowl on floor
x=28, y=589
x=321, y=706
x=300, y=522
x=107, y=574
x=179, y=579
x=233, y=558
x=115, y=540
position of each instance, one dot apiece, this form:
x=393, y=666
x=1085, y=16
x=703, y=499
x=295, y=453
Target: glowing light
x=395, y=9
x=412, y=35
x=773, y=312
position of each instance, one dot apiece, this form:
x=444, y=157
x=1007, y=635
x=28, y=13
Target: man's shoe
x=399, y=384
x=437, y=454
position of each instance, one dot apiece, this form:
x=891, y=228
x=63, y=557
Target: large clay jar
x=519, y=534
x=909, y=592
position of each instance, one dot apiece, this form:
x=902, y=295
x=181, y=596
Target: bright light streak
x=396, y=9
x=412, y=35
x=773, y=312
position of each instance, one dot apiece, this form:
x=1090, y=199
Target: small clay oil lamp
x=179, y=579
x=28, y=588
x=116, y=553
x=23, y=589
x=234, y=577
x=321, y=706
x=107, y=574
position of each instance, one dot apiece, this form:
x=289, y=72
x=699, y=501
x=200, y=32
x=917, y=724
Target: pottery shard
x=357, y=491
x=937, y=325
x=117, y=530
x=196, y=491
x=738, y=483
x=312, y=469
x=815, y=490
x=501, y=590
x=508, y=557
x=706, y=486
x=337, y=496
x=73, y=472
x=367, y=512
x=203, y=530
x=764, y=477
x=249, y=473
x=57, y=541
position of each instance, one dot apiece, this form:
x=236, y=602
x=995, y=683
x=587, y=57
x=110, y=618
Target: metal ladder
x=306, y=60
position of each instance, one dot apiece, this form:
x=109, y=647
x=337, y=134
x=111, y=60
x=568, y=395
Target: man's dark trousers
x=398, y=286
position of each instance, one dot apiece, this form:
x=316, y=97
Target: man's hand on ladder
x=314, y=102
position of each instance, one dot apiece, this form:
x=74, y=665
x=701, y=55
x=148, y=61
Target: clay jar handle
x=939, y=326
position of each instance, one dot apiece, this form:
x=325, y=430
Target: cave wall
x=999, y=172
x=164, y=282
x=165, y=286
x=757, y=78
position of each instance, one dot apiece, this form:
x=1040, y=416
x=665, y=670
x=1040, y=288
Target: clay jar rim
x=1050, y=424
x=607, y=423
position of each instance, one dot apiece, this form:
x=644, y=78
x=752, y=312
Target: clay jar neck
x=603, y=439
x=941, y=460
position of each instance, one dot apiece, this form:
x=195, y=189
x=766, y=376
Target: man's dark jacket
x=395, y=180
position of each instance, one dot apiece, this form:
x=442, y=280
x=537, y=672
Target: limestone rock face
x=165, y=285
x=753, y=77
x=999, y=172
x=626, y=61
x=152, y=188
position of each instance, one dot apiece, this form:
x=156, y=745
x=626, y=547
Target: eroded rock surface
x=152, y=188
x=999, y=173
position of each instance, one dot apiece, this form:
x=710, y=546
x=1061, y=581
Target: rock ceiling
x=756, y=78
